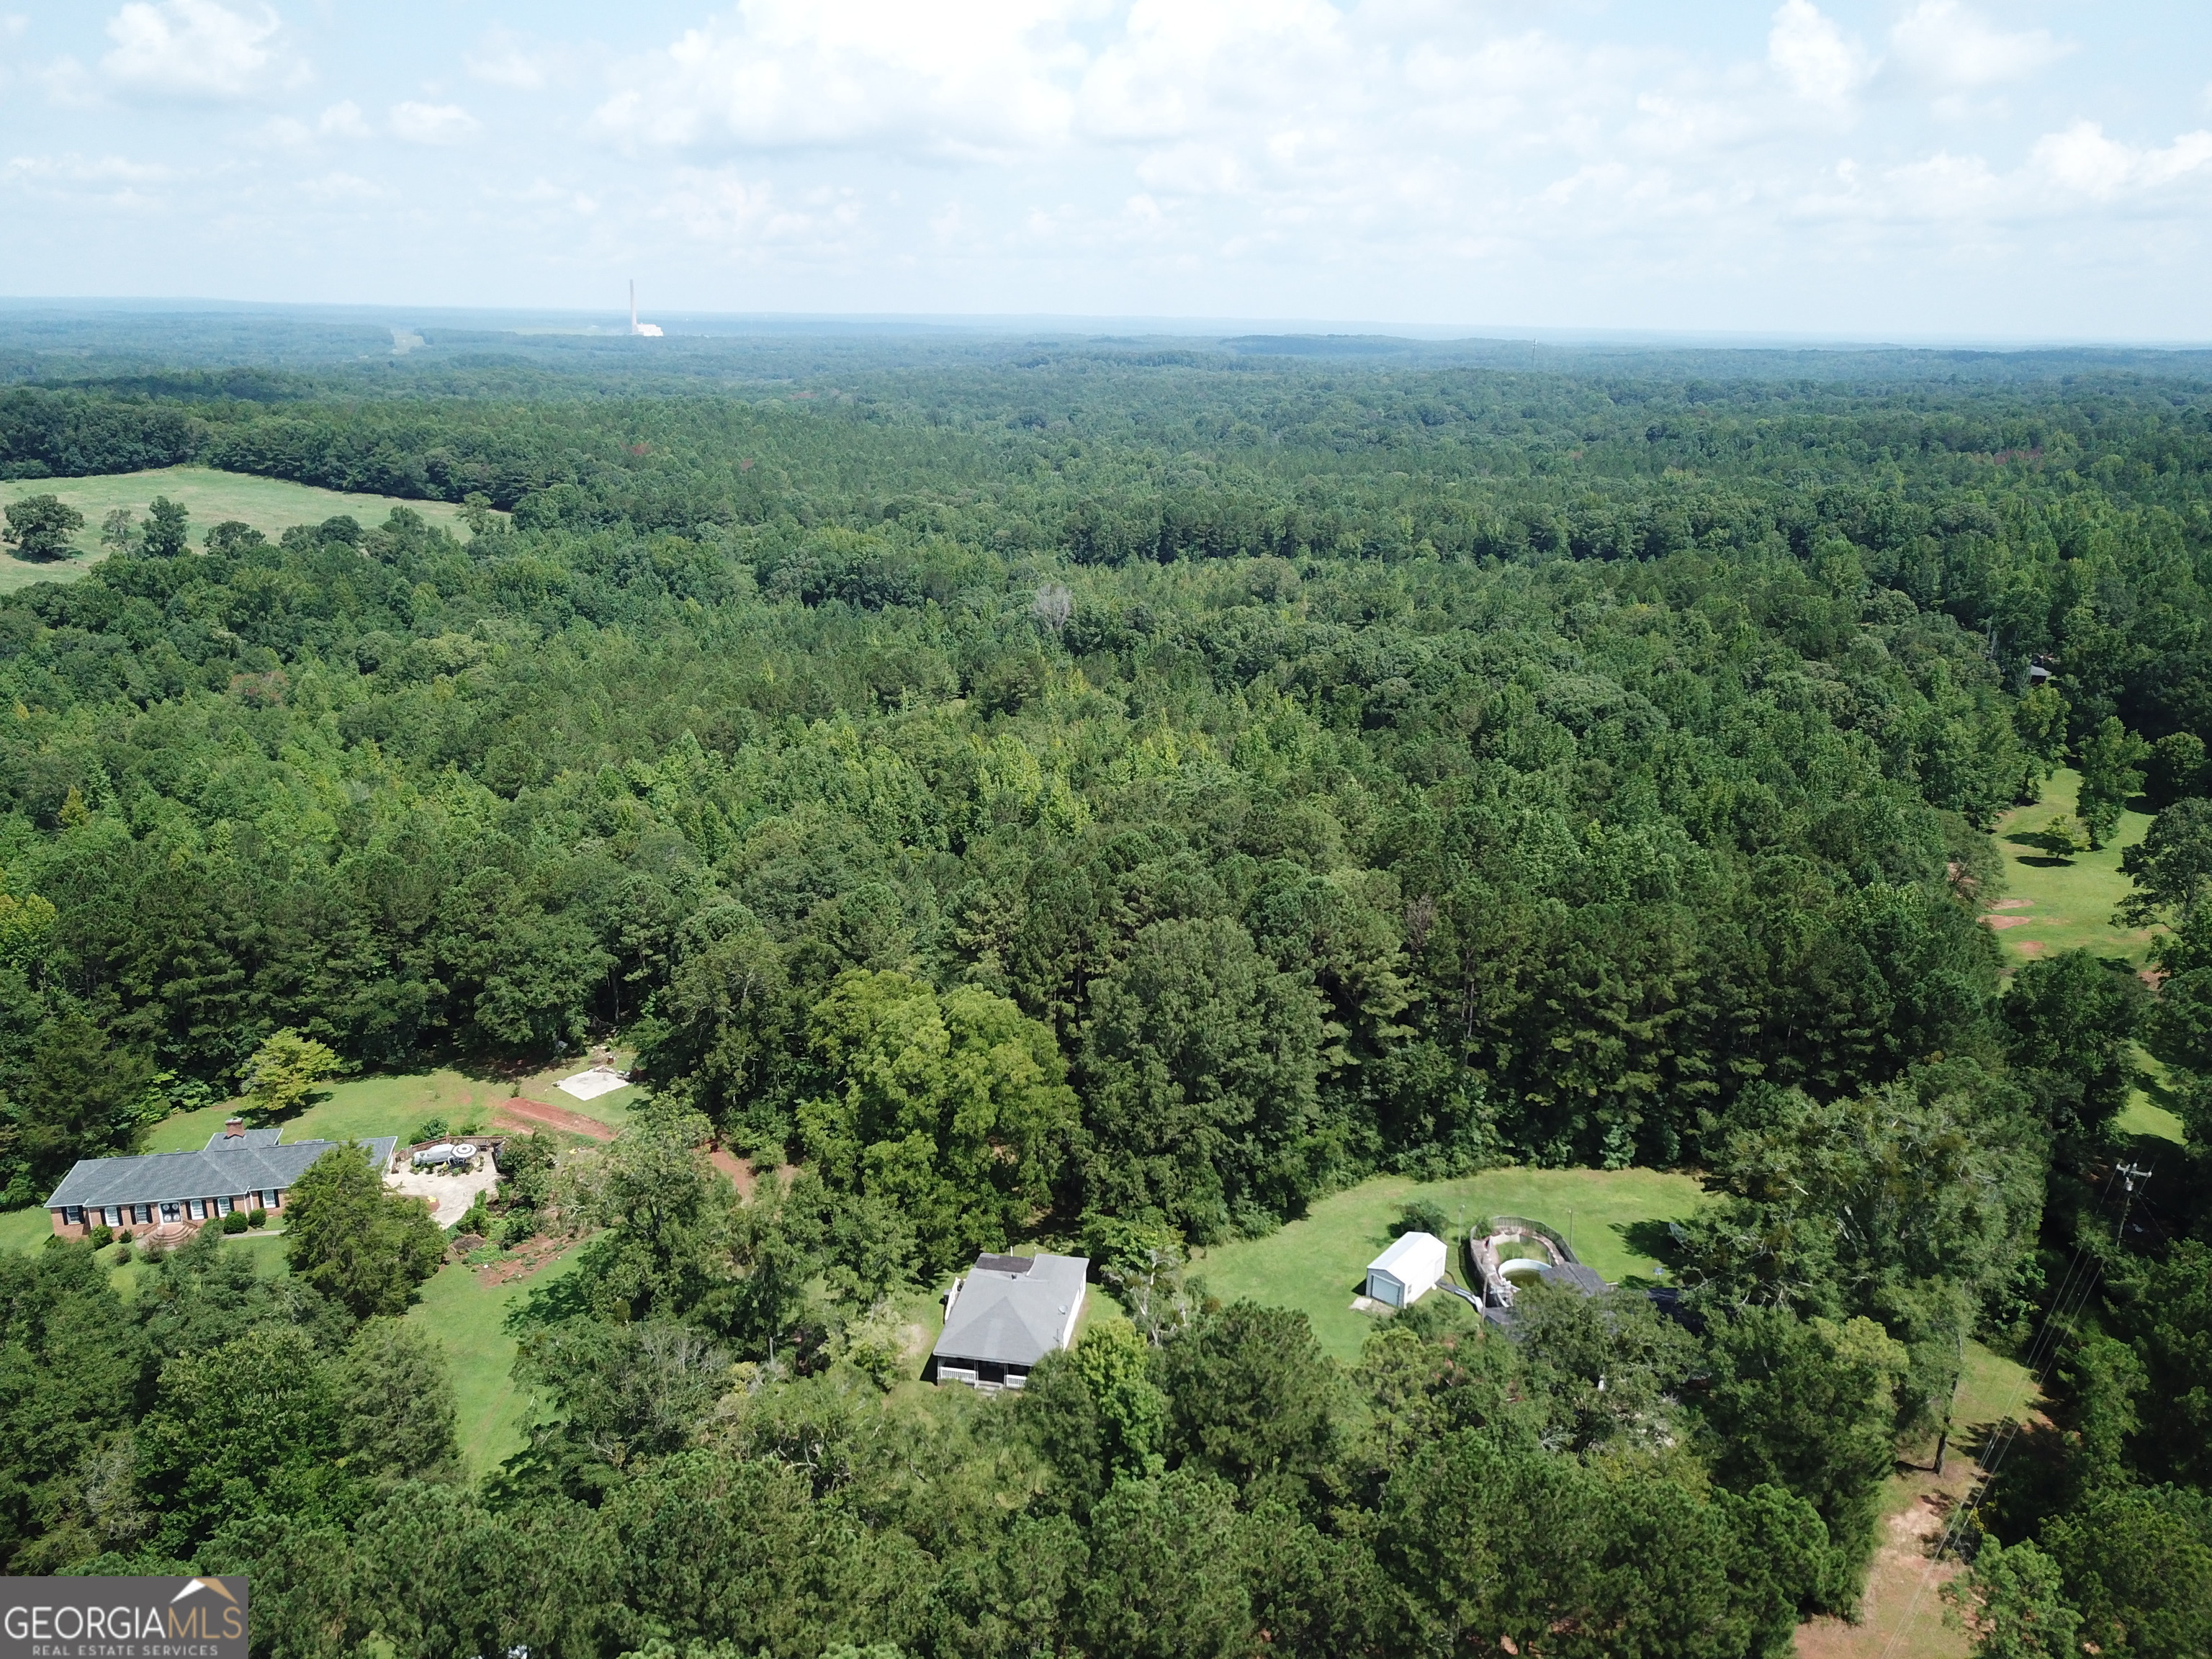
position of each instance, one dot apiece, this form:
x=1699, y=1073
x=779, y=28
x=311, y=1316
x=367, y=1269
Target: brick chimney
x=234, y=1129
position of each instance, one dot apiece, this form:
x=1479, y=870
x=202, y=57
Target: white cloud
x=339, y=120
x=70, y=84
x=962, y=78
x=197, y=49
x=342, y=120
x=1819, y=63
x=2082, y=159
x=110, y=181
x=330, y=189
x=89, y=169
x=717, y=206
x=504, y=58
x=1944, y=44
x=432, y=124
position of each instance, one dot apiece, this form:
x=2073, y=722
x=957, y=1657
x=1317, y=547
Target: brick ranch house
x=171, y=1194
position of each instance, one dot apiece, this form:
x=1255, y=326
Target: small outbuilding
x=1407, y=1271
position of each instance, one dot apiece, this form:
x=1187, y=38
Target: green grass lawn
x=2070, y=905
x=1315, y=1265
x=270, y=505
x=2070, y=901
x=613, y=1109
x=25, y=1230
x=388, y=1103
x=469, y=1316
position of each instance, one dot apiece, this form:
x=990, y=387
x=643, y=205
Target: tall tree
x=2111, y=774
x=953, y=1106
x=39, y=527
x=345, y=1235
x=2070, y=1022
x=163, y=535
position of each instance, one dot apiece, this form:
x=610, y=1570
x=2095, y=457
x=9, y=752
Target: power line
x=2040, y=1353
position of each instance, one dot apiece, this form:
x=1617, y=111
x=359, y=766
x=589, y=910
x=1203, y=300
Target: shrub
x=236, y=1222
x=257, y=1217
x=122, y=1251
x=476, y=1220
x=100, y=1238
x=432, y=1128
x=155, y=1250
x=123, y=1237
x=517, y=1227
x=1421, y=1215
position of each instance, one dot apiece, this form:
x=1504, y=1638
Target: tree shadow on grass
x=1652, y=1239
x=2051, y=852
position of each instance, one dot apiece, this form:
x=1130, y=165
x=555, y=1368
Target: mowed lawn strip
x=1315, y=1265
x=469, y=1318
x=270, y=505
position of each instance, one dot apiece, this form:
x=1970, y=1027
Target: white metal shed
x=1406, y=1271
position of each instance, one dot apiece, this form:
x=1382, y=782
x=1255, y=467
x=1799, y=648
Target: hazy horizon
x=586, y=319
x=1905, y=171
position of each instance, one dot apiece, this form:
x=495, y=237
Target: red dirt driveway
x=521, y=1114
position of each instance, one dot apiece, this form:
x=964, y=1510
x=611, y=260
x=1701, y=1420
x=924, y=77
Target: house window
x=227, y=1203
x=277, y=1200
x=172, y=1213
x=73, y=1215
x=199, y=1211
x=115, y=1216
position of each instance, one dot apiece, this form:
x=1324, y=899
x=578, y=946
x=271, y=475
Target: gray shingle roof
x=1012, y=1309
x=219, y=1171
x=222, y=1139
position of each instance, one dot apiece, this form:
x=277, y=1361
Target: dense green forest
x=1108, y=795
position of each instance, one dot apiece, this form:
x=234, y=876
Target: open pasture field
x=1315, y=1265
x=270, y=505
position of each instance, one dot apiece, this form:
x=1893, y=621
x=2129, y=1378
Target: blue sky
x=1919, y=169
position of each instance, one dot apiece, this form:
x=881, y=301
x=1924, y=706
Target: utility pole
x=2131, y=1173
x=1958, y=1375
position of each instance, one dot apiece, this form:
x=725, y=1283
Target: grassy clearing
x=469, y=1319
x=25, y=1230
x=1315, y=1265
x=612, y=1109
x=270, y=505
x=2069, y=905
x=388, y=1103
x=2070, y=900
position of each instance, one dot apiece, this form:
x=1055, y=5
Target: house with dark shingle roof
x=1007, y=1314
x=172, y=1194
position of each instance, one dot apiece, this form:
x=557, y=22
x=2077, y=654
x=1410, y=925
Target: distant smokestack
x=632, y=305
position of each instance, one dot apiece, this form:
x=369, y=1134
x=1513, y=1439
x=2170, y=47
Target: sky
x=1915, y=170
